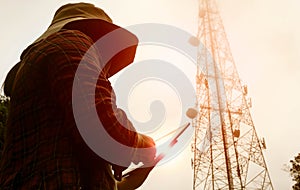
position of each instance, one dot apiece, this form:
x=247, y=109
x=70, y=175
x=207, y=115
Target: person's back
x=39, y=150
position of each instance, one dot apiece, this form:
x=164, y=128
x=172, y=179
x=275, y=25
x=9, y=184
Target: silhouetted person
x=43, y=148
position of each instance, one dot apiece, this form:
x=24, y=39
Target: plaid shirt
x=43, y=148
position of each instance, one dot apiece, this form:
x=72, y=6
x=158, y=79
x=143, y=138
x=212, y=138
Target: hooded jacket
x=43, y=148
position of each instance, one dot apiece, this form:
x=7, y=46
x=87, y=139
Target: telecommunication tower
x=227, y=151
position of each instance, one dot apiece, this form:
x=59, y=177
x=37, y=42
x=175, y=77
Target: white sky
x=264, y=40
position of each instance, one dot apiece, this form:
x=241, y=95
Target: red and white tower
x=227, y=151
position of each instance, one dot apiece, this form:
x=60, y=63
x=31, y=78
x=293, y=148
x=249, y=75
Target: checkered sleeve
x=75, y=59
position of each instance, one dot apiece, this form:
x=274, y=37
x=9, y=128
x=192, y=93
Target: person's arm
x=117, y=124
x=135, y=180
x=62, y=67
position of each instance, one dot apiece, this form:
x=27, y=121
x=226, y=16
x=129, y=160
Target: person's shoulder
x=61, y=42
x=64, y=43
x=69, y=37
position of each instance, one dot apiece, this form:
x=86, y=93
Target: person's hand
x=118, y=171
x=145, y=151
x=134, y=179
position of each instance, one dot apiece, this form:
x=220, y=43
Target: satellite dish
x=191, y=113
x=194, y=41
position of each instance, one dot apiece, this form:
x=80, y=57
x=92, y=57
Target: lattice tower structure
x=228, y=153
